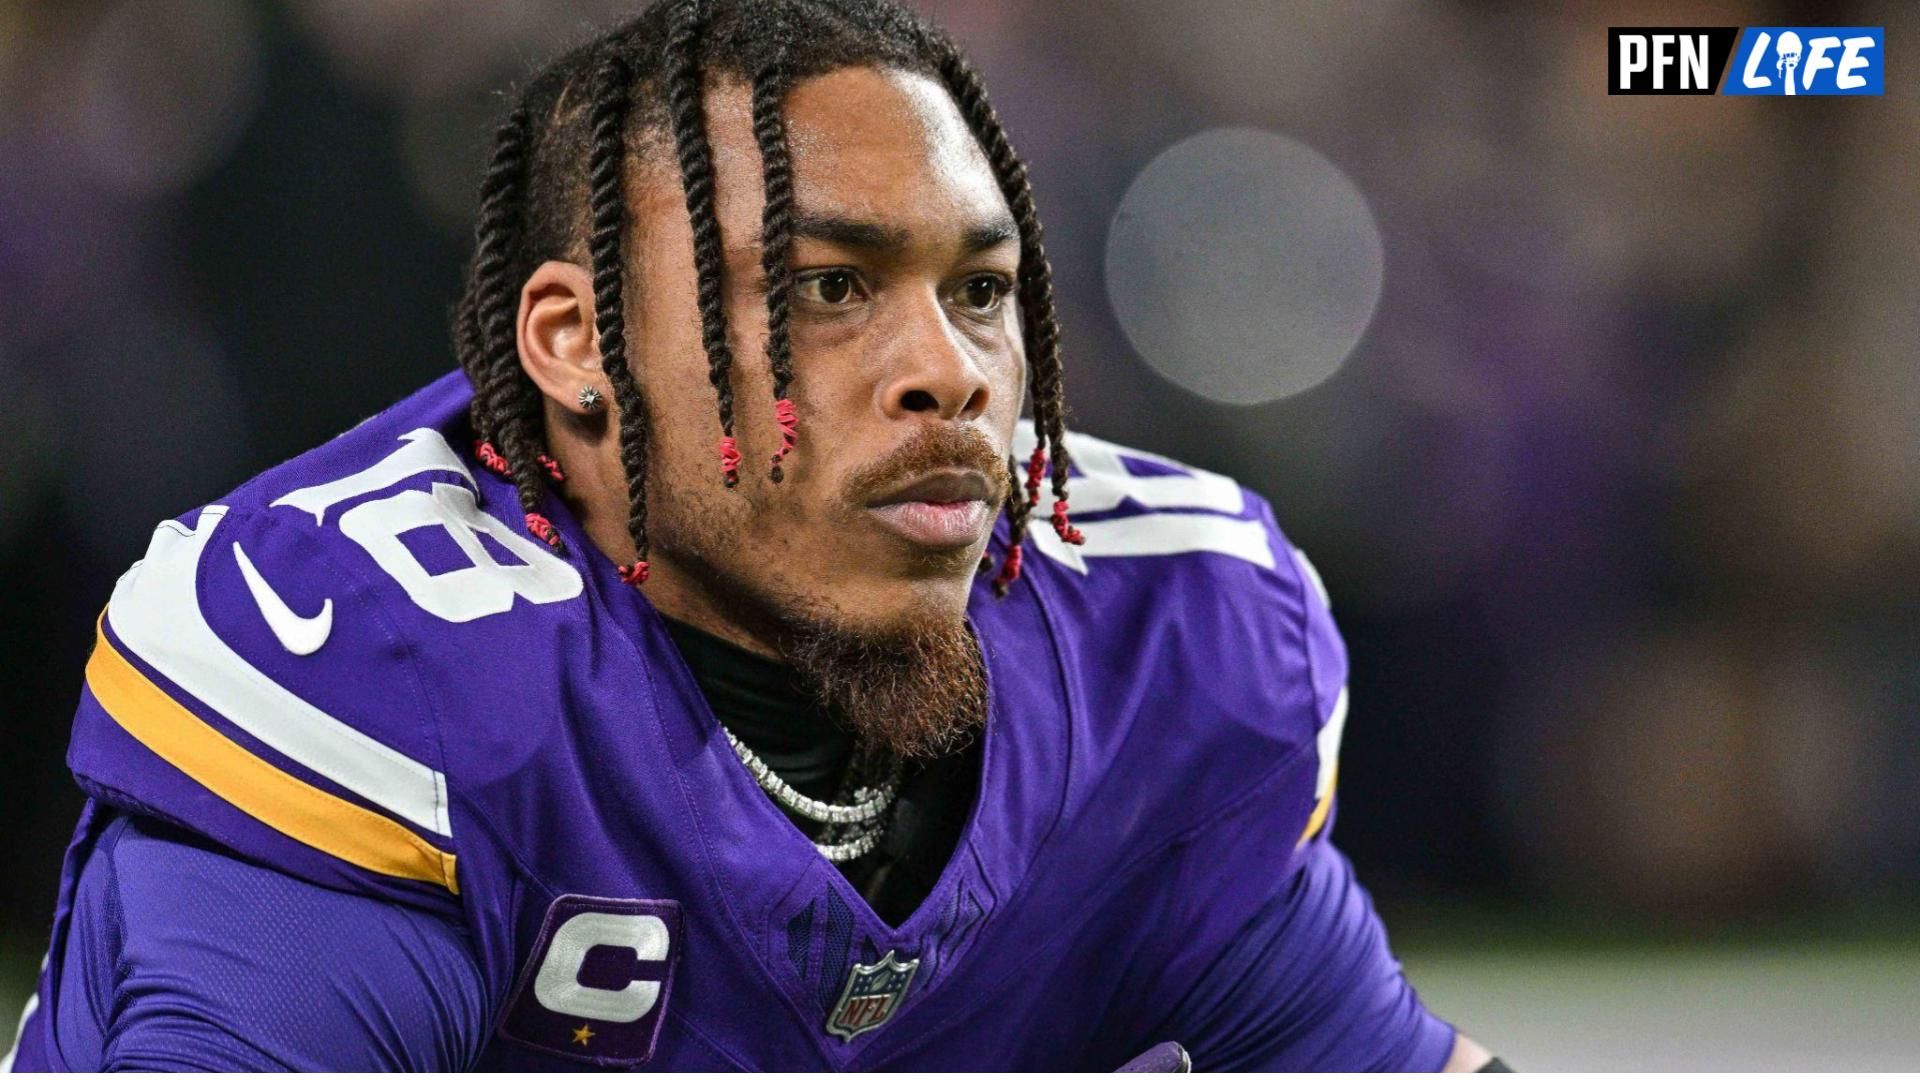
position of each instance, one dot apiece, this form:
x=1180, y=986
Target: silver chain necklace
x=851, y=850
x=868, y=808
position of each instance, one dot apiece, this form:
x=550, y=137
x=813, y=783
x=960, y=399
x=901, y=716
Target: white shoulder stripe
x=156, y=613
x=1104, y=481
x=1159, y=534
x=1328, y=745
x=1184, y=509
x=1312, y=574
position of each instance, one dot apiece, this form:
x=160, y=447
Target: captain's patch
x=595, y=986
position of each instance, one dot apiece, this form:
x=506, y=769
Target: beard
x=911, y=682
x=917, y=689
x=915, y=685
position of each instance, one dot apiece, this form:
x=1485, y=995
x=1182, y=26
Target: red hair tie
x=1036, y=465
x=542, y=528
x=1064, y=528
x=729, y=460
x=788, y=418
x=1009, y=571
x=491, y=458
x=552, y=467
x=635, y=574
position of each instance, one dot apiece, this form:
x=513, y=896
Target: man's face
x=907, y=359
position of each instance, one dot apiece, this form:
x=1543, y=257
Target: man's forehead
x=874, y=145
x=880, y=113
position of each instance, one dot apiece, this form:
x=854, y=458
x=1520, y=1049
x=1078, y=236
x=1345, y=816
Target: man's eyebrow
x=882, y=239
x=979, y=238
x=848, y=232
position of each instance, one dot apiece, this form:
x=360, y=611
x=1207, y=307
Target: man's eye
x=984, y=292
x=828, y=287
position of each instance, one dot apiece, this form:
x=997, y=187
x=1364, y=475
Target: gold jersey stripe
x=1322, y=808
x=286, y=803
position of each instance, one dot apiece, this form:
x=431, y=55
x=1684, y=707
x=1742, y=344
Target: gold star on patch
x=582, y=1033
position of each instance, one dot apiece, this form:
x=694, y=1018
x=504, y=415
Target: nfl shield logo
x=872, y=995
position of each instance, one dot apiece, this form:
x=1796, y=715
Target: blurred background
x=1600, y=417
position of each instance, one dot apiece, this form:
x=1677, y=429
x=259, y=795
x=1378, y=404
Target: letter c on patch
x=558, y=987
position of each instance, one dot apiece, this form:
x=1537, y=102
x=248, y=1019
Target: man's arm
x=182, y=956
x=1470, y=1056
x=1310, y=985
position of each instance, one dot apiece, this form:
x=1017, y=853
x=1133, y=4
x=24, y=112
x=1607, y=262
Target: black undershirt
x=761, y=701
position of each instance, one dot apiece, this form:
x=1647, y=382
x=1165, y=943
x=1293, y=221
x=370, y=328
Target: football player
x=709, y=676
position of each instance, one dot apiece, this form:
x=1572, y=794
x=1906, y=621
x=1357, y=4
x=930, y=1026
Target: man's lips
x=944, y=509
x=942, y=486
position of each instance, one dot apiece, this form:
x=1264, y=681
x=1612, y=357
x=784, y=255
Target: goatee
x=918, y=689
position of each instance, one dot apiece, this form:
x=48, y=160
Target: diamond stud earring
x=590, y=398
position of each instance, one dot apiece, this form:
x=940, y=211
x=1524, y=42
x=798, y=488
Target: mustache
x=931, y=448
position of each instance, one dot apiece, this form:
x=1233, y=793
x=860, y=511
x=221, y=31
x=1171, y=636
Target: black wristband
x=1495, y=1065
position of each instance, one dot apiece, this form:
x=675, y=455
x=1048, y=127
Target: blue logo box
x=1808, y=60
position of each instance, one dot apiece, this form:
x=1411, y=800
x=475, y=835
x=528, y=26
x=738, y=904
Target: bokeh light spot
x=1244, y=266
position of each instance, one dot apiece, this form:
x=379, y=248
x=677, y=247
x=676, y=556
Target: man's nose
x=930, y=370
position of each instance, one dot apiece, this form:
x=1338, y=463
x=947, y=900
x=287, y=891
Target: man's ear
x=558, y=347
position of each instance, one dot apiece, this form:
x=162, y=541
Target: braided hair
x=641, y=85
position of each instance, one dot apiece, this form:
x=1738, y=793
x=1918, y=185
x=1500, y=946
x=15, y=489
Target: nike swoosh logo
x=302, y=636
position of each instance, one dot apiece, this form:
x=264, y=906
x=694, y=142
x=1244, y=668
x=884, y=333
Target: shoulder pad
x=255, y=674
x=1186, y=581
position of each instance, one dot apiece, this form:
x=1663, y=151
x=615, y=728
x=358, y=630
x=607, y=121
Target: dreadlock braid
x=506, y=409
x=1037, y=314
x=696, y=175
x=608, y=210
x=501, y=194
x=776, y=242
x=1019, y=508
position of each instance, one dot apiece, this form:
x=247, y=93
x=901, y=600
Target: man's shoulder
x=396, y=514
x=1194, y=628
x=342, y=568
x=1185, y=569
x=294, y=648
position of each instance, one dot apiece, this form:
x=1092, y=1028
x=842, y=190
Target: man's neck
x=761, y=702
x=597, y=497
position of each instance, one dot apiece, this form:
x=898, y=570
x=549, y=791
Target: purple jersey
x=359, y=671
